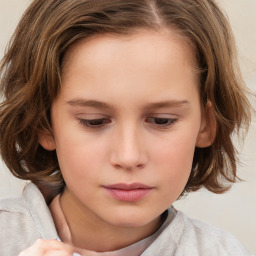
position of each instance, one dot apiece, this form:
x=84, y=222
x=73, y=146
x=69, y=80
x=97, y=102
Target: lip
x=128, y=192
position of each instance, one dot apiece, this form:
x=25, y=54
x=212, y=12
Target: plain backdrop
x=235, y=210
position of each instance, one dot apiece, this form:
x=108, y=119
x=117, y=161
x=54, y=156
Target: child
x=113, y=110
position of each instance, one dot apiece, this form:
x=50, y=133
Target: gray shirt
x=27, y=218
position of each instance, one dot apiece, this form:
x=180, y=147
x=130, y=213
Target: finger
x=35, y=249
x=54, y=244
x=59, y=246
x=49, y=247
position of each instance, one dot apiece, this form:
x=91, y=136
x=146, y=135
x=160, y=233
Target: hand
x=50, y=248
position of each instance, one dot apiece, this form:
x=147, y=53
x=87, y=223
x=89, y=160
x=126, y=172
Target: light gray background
x=234, y=211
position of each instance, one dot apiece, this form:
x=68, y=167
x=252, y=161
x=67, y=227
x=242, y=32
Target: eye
x=161, y=121
x=94, y=123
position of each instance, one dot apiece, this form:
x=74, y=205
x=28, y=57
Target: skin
x=144, y=92
x=50, y=248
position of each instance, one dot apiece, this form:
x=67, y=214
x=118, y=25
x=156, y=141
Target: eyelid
x=88, y=123
x=163, y=122
x=91, y=116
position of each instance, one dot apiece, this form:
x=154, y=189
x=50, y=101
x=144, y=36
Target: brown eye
x=94, y=123
x=161, y=122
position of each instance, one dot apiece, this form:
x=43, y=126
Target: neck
x=86, y=230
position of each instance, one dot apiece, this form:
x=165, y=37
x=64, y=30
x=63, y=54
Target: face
x=126, y=123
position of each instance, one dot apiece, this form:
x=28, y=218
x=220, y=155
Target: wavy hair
x=31, y=79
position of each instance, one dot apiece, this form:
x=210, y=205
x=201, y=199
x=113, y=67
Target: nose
x=128, y=149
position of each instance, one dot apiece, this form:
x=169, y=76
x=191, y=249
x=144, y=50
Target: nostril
x=128, y=153
x=129, y=167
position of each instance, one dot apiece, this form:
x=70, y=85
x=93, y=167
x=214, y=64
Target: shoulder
x=23, y=220
x=203, y=238
x=186, y=236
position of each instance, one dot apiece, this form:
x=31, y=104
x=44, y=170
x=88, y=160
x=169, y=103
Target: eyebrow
x=168, y=103
x=80, y=102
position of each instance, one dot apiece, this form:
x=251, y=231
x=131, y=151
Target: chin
x=132, y=219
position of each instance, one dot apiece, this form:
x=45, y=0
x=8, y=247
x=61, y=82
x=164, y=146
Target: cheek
x=178, y=149
x=175, y=157
x=78, y=158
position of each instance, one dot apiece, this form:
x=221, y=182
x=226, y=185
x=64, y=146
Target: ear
x=208, y=127
x=46, y=140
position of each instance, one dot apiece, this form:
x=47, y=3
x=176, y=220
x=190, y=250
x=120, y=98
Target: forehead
x=142, y=64
x=149, y=42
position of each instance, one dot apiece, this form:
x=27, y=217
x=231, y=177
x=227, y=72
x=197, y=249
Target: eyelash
x=160, y=122
x=94, y=123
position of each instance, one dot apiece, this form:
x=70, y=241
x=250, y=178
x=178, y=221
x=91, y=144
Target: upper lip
x=126, y=186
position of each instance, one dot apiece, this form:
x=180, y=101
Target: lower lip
x=132, y=195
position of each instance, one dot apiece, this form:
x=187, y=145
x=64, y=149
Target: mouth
x=128, y=192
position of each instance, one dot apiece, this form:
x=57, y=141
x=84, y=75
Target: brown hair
x=31, y=78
